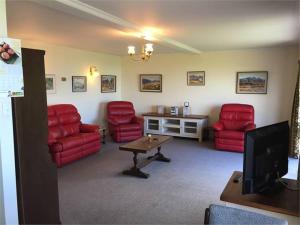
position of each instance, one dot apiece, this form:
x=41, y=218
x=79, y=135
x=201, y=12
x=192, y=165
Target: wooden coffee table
x=144, y=145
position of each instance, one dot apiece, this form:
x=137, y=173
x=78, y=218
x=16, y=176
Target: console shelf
x=190, y=126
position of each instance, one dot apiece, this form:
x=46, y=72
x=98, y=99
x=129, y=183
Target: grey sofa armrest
x=223, y=215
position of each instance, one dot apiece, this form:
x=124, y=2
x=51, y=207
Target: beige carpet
x=93, y=190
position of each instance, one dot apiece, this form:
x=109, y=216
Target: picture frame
x=196, y=78
x=79, y=84
x=150, y=82
x=108, y=83
x=50, y=83
x=252, y=82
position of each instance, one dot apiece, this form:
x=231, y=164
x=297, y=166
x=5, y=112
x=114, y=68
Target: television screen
x=265, y=157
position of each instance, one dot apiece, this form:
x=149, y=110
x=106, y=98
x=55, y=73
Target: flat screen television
x=265, y=158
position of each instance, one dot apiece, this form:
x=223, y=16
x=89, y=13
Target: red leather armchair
x=68, y=138
x=123, y=125
x=234, y=121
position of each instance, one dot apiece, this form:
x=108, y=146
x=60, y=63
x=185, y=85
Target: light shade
x=148, y=48
x=131, y=50
x=146, y=52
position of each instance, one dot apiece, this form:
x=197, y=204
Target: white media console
x=190, y=126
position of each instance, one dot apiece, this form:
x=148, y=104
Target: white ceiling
x=180, y=25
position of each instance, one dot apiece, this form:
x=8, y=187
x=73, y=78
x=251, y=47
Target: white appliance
x=186, y=110
x=174, y=110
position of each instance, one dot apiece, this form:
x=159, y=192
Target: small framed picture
x=50, y=84
x=255, y=82
x=108, y=83
x=79, y=84
x=151, y=83
x=196, y=78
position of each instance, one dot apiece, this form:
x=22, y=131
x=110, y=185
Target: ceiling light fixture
x=147, y=50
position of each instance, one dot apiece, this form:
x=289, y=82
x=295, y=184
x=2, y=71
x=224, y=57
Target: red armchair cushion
x=89, y=137
x=234, y=120
x=236, y=116
x=54, y=133
x=128, y=127
x=89, y=128
x=218, y=126
x=121, y=119
x=250, y=126
x=69, y=118
x=70, y=129
x=67, y=143
x=122, y=123
x=230, y=134
x=120, y=112
x=53, y=123
x=68, y=138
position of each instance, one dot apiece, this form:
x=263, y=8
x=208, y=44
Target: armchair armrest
x=89, y=128
x=138, y=119
x=250, y=126
x=218, y=126
x=51, y=141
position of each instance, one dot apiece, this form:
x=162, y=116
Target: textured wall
x=220, y=81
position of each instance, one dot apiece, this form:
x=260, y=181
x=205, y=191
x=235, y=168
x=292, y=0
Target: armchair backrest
x=54, y=130
x=121, y=112
x=63, y=120
x=236, y=116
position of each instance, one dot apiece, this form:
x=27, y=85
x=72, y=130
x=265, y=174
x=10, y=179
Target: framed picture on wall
x=79, y=84
x=50, y=84
x=196, y=78
x=151, y=83
x=252, y=82
x=108, y=83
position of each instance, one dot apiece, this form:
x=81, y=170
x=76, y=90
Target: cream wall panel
x=220, y=80
x=3, y=23
x=67, y=62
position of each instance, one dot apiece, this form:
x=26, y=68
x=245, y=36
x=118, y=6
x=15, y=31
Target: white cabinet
x=184, y=126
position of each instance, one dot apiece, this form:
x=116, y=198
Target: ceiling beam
x=76, y=4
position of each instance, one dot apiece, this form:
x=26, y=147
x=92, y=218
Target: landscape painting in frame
x=151, y=82
x=79, y=84
x=108, y=83
x=196, y=78
x=50, y=84
x=252, y=82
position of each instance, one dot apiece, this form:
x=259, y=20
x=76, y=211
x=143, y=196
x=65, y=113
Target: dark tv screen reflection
x=265, y=157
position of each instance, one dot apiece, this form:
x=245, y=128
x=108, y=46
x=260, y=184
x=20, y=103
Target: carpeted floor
x=93, y=190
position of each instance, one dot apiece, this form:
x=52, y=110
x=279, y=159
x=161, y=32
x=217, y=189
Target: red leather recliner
x=68, y=138
x=234, y=121
x=123, y=125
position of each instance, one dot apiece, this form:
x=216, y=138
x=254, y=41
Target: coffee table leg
x=104, y=135
x=135, y=171
x=159, y=156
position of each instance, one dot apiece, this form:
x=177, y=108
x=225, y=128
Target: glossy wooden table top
x=143, y=145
